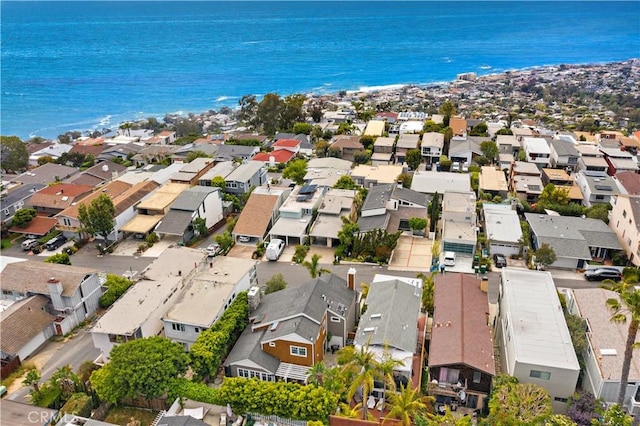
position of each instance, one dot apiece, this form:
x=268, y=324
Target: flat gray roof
x=502, y=223
x=245, y=171
x=539, y=332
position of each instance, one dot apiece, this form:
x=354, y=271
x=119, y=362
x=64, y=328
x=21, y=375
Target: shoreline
x=334, y=94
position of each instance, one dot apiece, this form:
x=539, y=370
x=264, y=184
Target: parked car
x=455, y=166
x=213, y=249
x=449, y=258
x=275, y=249
x=465, y=167
x=244, y=239
x=55, y=242
x=29, y=244
x=600, y=274
x=499, y=260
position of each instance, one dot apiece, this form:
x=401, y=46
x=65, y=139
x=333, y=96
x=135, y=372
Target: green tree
x=219, y=182
x=519, y=404
x=408, y=404
x=302, y=128
x=545, y=255
x=66, y=380
x=417, y=223
x=200, y=225
x=599, y=211
x=414, y=158
x=345, y=182
x=489, y=150
x=148, y=367
x=362, y=366
x=313, y=266
x=479, y=129
x=428, y=291
x=116, y=286
x=59, y=258
x=126, y=128
x=626, y=308
x=434, y=212
x=345, y=128
x=292, y=112
x=322, y=148
x=448, y=110
x=196, y=154
x=367, y=141
x=98, y=218
x=33, y=379
x=295, y=170
x=13, y=153
x=615, y=416
x=44, y=160
x=268, y=112
x=445, y=163
x=248, y=110
x=23, y=217
x=275, y=283
x=406, y=179
x=225, y=241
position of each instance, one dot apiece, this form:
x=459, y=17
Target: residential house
x=245, y=177
x=139, y=312
x=525, y=181
x=17, y=198
x=411, y=126
x=465, y=150
x=165, y=137
x=206, y=297
x=606, y=341
x=625, y=222
x=387, y=330
x=502, y=229
x=493, y=181
x=45, y=174
x=628, y=183
x=459, y=222
x=222, y=169
x=288, y=330
x=123, y=152
x=236, y=152
x=619, y=161
x=98, y=174
x=383, y=151
x=432, y=144
x=124, y=198
x=336, y=203
x=504, y=161
x=26, y=326
x=596, y=187
x=591, y=159
x=296, y=214
x=259, y=214
x=461, y=361
x=405, y=143
x=198, y=202
x=73, y=292
x=537, y=151
x=191, y=172
x=153, y=154
x=92, y=147
x=151, y=210
x=430, y=182
x=564, y=155
x=508, y=144
x=53, y=151
x=374, y=213
x=389, y=117
x=575, y=241
x=562, y=180
x=521, y=132
x=346, y=146
x=532, y=335
x=39, y=226
x=273, y=158
x=368, y=176
x=326, y=171
x=459, y=126
x=375, y=128
x=566, y=137
x=51, y=200
x=182, y=153
x=21, y=414
x=291, y=145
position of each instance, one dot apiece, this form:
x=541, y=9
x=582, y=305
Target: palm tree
x=407, y=404
x=365, y=369
x=626, y=307
x=313, y=267
x=387, y=366
x=126, y=127
x=33, y=379
x=315, y=375
x=428, y=291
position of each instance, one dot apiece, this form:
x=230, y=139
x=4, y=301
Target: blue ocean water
x=93, y=64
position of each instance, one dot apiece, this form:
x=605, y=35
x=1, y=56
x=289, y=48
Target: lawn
x=123, y=415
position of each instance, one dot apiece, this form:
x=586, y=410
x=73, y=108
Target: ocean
x=83, y=65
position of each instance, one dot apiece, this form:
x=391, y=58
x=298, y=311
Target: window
x=477, y=376
x=298, y=351
x=543, y=375
x=231, y=184
x=177, y=327
x=624, y=213
x=599, y=197
x=272, y=344
x=335, y=319
x=448, y=375
x=197, y=330
x=558, y=399
x=249, y=374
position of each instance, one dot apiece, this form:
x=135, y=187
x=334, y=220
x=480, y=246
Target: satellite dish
x=462, y=395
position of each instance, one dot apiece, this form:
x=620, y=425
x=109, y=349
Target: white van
x=449, y=258
x=274, y=249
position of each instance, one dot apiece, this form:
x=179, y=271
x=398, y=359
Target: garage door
x=458, y=247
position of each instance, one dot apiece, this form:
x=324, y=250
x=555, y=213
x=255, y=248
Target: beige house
x=369, y=176
x=493, y=181
x=625, y=222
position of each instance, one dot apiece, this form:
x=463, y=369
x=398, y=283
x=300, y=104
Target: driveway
x=411, y=254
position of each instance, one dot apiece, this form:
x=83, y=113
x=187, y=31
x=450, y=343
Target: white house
x=206, y=296
x=502, y=228
x=459, y=222
x=537, y=151
x=430, y=182
x=432, y=144
x=532, y=335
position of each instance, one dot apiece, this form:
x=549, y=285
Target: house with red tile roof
x=292, y=145
x=630, y=181
x=53, y=199
x=461, y=363
x=39, y=226
x=281, y=156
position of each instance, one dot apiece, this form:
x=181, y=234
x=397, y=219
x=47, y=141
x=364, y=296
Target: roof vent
x=608, y=352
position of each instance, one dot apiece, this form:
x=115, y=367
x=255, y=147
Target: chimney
x=399, y=184
x=351, y=279
x=62, y=191
x=254, y=298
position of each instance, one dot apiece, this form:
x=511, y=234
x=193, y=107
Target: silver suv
x=600, y=274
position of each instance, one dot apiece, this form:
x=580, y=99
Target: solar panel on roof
x=308, y=189
x=604, y=188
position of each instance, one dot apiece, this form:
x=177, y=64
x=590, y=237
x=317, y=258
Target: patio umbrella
x=229, y=411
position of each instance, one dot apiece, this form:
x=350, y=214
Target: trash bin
x=483, y=269
x=476, y=269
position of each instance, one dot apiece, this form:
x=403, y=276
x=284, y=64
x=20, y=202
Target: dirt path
x=39, y=360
